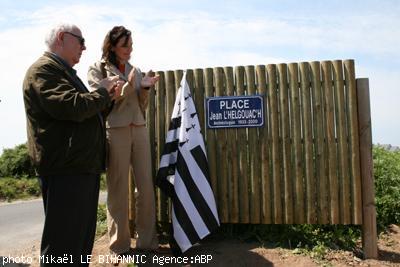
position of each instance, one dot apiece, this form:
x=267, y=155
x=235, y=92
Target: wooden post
x=169, y=100
x=321, y=180
x=266, y=195
x=232, y=155
x=285, y=142
x=221, y=153
x=254, y=155
x=369, y=234
x=244, y=214
x=162, y=200
x=299, y=207
x=341, y=129
x=210, y=134
x=276, y=161
x=329, y=99
x=349, y=73
x=199, y=95
x=308, y=142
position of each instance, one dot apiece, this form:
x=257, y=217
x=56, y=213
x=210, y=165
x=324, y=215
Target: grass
x=313, y=240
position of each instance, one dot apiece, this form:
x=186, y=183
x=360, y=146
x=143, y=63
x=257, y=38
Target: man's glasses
x=80, y=38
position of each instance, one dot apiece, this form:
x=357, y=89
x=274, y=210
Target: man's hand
x=113, y=85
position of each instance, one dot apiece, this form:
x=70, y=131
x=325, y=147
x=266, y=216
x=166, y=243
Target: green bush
x=11, y=188
x=387, y=186
x=15, y=162
x=101, y=227
x=103, y=182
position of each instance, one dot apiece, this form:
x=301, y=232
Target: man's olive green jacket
x=66, y=133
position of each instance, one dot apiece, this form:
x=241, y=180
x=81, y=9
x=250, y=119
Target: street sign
x=235, y=111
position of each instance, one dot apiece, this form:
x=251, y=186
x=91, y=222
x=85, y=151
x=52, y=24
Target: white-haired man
x=66, y=139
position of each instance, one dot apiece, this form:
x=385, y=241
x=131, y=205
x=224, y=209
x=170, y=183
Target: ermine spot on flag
x=183, y=175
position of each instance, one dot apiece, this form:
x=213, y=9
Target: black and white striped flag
x=183, y=175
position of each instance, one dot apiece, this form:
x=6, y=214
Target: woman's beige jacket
x=130, y=106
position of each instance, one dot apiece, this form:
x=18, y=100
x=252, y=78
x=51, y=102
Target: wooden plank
x=264, y=142
x=350, y=80
x=297, y=163
x=170, y=93
x=210, y=134
x=308, y=143
x=328, y=94
x=170, y=96
x=319, y=147
x=151, y=124
x=242, y=151
x=178, y=74
x=222, y=169
x=285, y=136
x=199, y=96
x=369, y=234
x=190, y=80
x=254, y=156
x=233, y=160
x=276, y=161
x=162, y=207
x=341, y=127
x=178, y=77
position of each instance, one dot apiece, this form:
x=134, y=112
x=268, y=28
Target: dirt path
x=235, y=253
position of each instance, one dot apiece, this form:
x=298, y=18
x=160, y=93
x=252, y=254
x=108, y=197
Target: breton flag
x=183, y=175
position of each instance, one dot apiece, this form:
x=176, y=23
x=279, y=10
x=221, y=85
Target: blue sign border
x=208, y=99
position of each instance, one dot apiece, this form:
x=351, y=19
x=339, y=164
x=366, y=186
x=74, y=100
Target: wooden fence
x=304, y=165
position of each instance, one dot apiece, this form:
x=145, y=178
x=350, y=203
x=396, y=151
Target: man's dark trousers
x=70, y=204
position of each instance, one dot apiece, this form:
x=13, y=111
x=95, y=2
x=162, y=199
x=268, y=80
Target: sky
x=174, y=34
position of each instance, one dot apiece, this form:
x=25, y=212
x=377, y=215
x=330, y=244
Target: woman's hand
x=149, y=81
x=118, y=88
x=131, y=76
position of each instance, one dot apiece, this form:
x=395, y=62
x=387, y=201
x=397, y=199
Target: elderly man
x=66, y=139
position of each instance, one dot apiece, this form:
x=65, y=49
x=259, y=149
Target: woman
x=129, y=145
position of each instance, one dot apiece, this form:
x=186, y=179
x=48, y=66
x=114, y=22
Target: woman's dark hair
x=111, y=40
